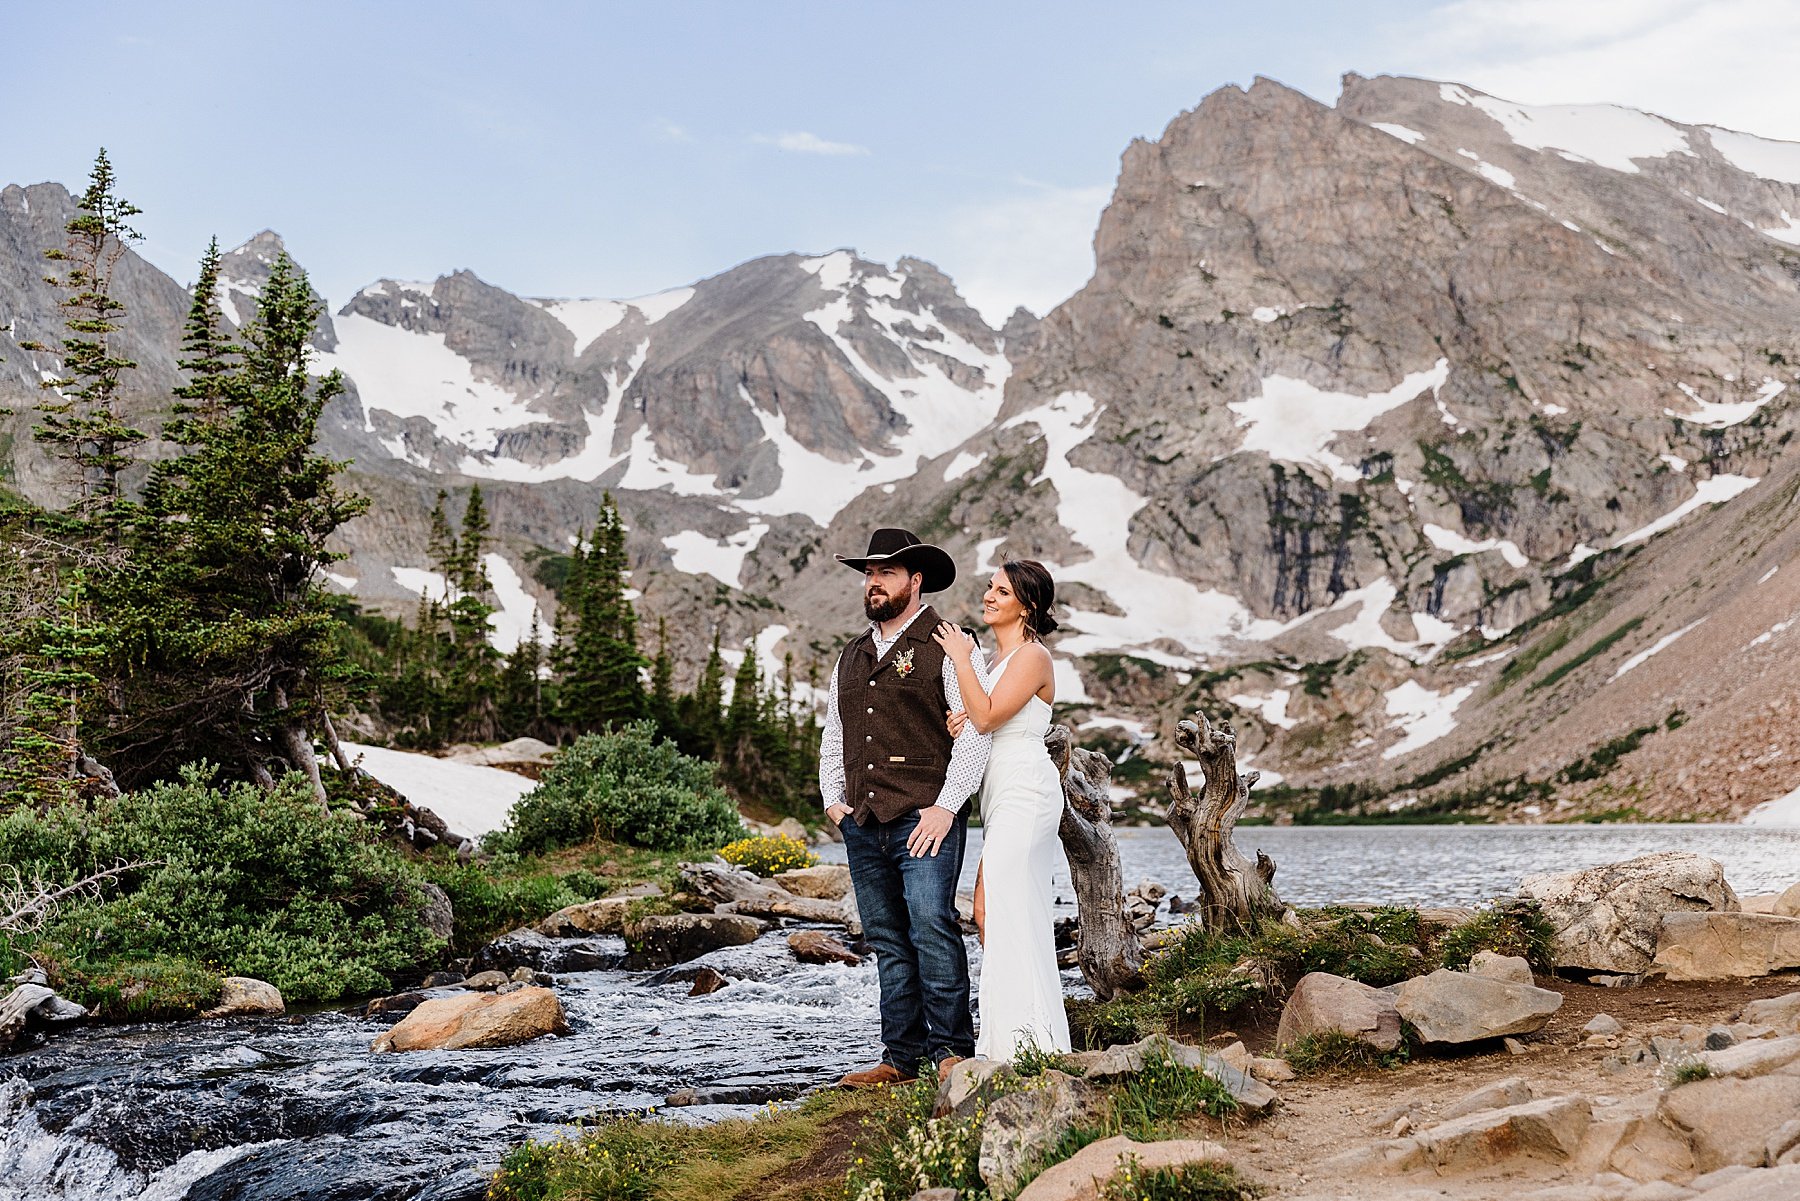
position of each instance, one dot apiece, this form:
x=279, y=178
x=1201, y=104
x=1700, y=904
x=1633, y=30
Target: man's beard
x=887, y=609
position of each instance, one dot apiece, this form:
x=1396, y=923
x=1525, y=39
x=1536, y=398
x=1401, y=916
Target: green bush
x=1206, y=1181
x=1512, y=928
x=1335, y=1051
x=240, y=882
x=622, y=786
x=488, y=905
x=1165, y=1091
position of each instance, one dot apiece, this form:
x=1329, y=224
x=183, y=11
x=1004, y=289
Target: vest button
x=868, y=738
x=871, y=767
x=871, y=796
x=871, y=683
x=871, y=711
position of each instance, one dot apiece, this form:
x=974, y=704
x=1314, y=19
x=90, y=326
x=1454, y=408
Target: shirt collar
x=875, y=626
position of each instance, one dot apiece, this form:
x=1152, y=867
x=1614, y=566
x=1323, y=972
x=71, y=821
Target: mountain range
x=1441, y=441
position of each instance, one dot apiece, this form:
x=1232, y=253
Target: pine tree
x=84, y=427
x=521, y=686
x=662, y=684
x=57, y=650
x=602, y=681
x=702, y=709
x=238, y=648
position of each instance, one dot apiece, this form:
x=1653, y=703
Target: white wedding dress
x=1021, y=807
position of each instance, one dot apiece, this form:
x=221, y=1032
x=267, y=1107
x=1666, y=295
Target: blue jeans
x=909, y=916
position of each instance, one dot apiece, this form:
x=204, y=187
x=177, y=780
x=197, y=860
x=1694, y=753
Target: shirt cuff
x=943, y=804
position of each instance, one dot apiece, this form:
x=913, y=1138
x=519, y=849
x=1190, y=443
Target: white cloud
x=668, y=131
x=1720, y=62
x=1033, y=247
x=808, y=143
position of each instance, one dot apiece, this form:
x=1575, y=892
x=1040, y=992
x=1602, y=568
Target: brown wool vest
x=896, y=749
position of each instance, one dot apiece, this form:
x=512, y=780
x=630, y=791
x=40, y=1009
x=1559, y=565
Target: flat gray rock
x=1455, y=1007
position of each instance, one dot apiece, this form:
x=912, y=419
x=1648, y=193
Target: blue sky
x=565, y=149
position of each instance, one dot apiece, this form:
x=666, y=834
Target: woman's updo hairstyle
x=1036, y=591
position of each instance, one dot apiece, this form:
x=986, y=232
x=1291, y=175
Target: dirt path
x=1323, y=1117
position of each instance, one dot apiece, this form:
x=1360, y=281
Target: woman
x=1021, y=807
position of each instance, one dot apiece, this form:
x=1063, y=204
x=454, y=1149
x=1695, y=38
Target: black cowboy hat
x=903, y=547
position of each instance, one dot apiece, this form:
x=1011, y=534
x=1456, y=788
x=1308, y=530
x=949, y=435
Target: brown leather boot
x=881, y=1073
x=945, y=1066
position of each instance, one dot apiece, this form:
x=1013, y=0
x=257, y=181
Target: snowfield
x=473, y=801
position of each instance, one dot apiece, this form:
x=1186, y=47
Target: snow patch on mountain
x=1422, y=715
x=1717, y=490
x=1461, y=544
x=1607, y=135
x=1660, y=645
x=416, y=375
x=1293, y=421
x=1097, y=509
x=589, y=319
x=1764, y=158
x=699, y=554
x=1716, y=415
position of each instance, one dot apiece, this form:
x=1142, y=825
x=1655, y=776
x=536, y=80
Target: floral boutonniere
x=903, y=663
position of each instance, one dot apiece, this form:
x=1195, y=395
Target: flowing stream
x=298, y=1109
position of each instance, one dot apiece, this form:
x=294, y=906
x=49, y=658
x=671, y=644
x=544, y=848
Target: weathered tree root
x=1107, y=945
x=1234, y=893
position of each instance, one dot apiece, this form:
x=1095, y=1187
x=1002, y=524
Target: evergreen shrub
x=768, y=856
x=238, y=881
x=626, y=786
x=1509, y=928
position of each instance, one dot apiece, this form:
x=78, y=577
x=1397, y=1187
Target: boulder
x=1127, y=1059
x=1777, y=1184
x=1501, y=967
x=826, y=882
x=1788, y=903
x=605, y=916
x=664, y=939
x=241, y=996
x=750, y=894
x=1781, y=1013
x=1730, y=1121
x=1727, y=946
x=477, y=1020
x=528, y=948
x=1322, y=1002
x=404, y=1002
x=815, y=946
x=1502, y=1094
x=971, y=1083
x=526, y=751
x=1603, y=1024
x=439, y=916
x=1608, y=918
x=1021, y=1127
x=486, y=981
x=1083, y=1176
x=1455, y=1007
x=1747, y=1060
x=1548, y=1129
x=706, y=982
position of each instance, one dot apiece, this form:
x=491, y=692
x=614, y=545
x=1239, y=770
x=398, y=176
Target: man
x=895, y=783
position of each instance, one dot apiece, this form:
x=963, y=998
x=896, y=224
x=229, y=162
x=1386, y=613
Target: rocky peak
x=245, y=269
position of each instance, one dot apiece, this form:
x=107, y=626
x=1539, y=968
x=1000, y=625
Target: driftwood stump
x=1106, y=944
x=1234, y=893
